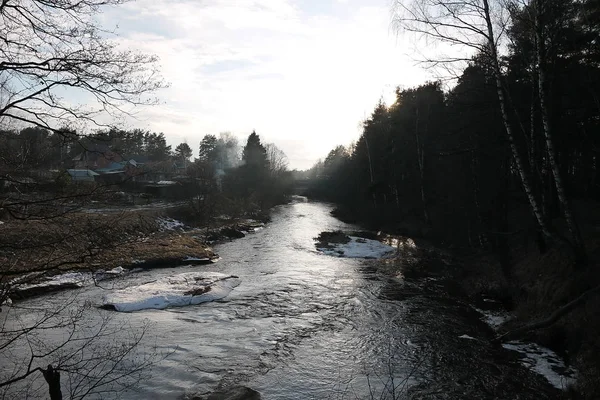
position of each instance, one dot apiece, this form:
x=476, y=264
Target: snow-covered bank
x=173, y=291
x=493, y=318
x=539, y=359
x=543, y=361
x=357, y=247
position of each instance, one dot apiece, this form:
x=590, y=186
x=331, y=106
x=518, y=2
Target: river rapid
x=303, y=325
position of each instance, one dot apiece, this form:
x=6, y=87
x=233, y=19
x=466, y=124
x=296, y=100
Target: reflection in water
x=303, y=325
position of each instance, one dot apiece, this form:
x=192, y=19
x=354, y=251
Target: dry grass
x=91, y=241
x=166, y=249
x=546, y=282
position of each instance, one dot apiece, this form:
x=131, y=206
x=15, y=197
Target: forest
x=490, y=171
x=446, y=157
x=503, y=160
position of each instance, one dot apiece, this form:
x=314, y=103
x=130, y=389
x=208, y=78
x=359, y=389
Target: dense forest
x=463, y=160
x=503, y=160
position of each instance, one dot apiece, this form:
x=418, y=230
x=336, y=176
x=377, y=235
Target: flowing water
x=303, y=325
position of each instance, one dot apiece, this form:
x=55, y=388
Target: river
x=303, y=325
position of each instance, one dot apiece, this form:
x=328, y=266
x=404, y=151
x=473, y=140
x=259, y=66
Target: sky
x=303, y=74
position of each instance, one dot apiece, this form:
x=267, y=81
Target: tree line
x=38, y=148
x=238, y=180
x=505, y=150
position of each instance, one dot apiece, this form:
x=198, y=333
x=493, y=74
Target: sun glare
x=389, y=95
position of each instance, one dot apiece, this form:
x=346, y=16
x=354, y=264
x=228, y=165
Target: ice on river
x=543, y=361
x=358, y=247
x=173, y=291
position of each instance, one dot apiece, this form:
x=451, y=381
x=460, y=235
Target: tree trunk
x=52, y=377
x=555, y=316
x=578, y=244
x=370, y=171
x=525, y=179
x=532, y=141
x=482, y=239
x=421, y=162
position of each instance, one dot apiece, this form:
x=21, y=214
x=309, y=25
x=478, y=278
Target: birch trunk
x=525, y=179
x=578, y=244
x=532, y=142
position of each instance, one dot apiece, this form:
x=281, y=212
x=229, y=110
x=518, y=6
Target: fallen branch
x=555, y=316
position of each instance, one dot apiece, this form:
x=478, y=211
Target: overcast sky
x=302, y=73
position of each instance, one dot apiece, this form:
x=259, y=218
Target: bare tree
x=278, y=161
x=472, y=27
x=49, y=46
x=539, y=8
x=50, y=53
x=71, y=341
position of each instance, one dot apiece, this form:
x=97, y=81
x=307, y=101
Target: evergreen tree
x=208, y=149
x=254, y=155
x=183, y=152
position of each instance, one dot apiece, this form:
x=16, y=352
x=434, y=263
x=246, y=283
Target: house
x=95, y=156
x=82, y=175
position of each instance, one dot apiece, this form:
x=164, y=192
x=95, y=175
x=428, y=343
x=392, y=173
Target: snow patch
x=72, y=279
x=179, y=290
x=190, y=258
x=544, y=362
x=169, y=224
x=466, y=337
x=493, y=319
x=111, y=273
x=67, y=280
x=357, y=247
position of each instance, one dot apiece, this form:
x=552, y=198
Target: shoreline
x=433, y=272
x=173, y=247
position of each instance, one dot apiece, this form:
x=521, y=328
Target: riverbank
x=530, y=288
x=462, y=329
x=51, y=255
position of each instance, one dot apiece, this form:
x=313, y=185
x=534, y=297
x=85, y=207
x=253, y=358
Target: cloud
x=297, y=72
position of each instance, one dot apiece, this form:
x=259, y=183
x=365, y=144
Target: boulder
x=232, y=233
